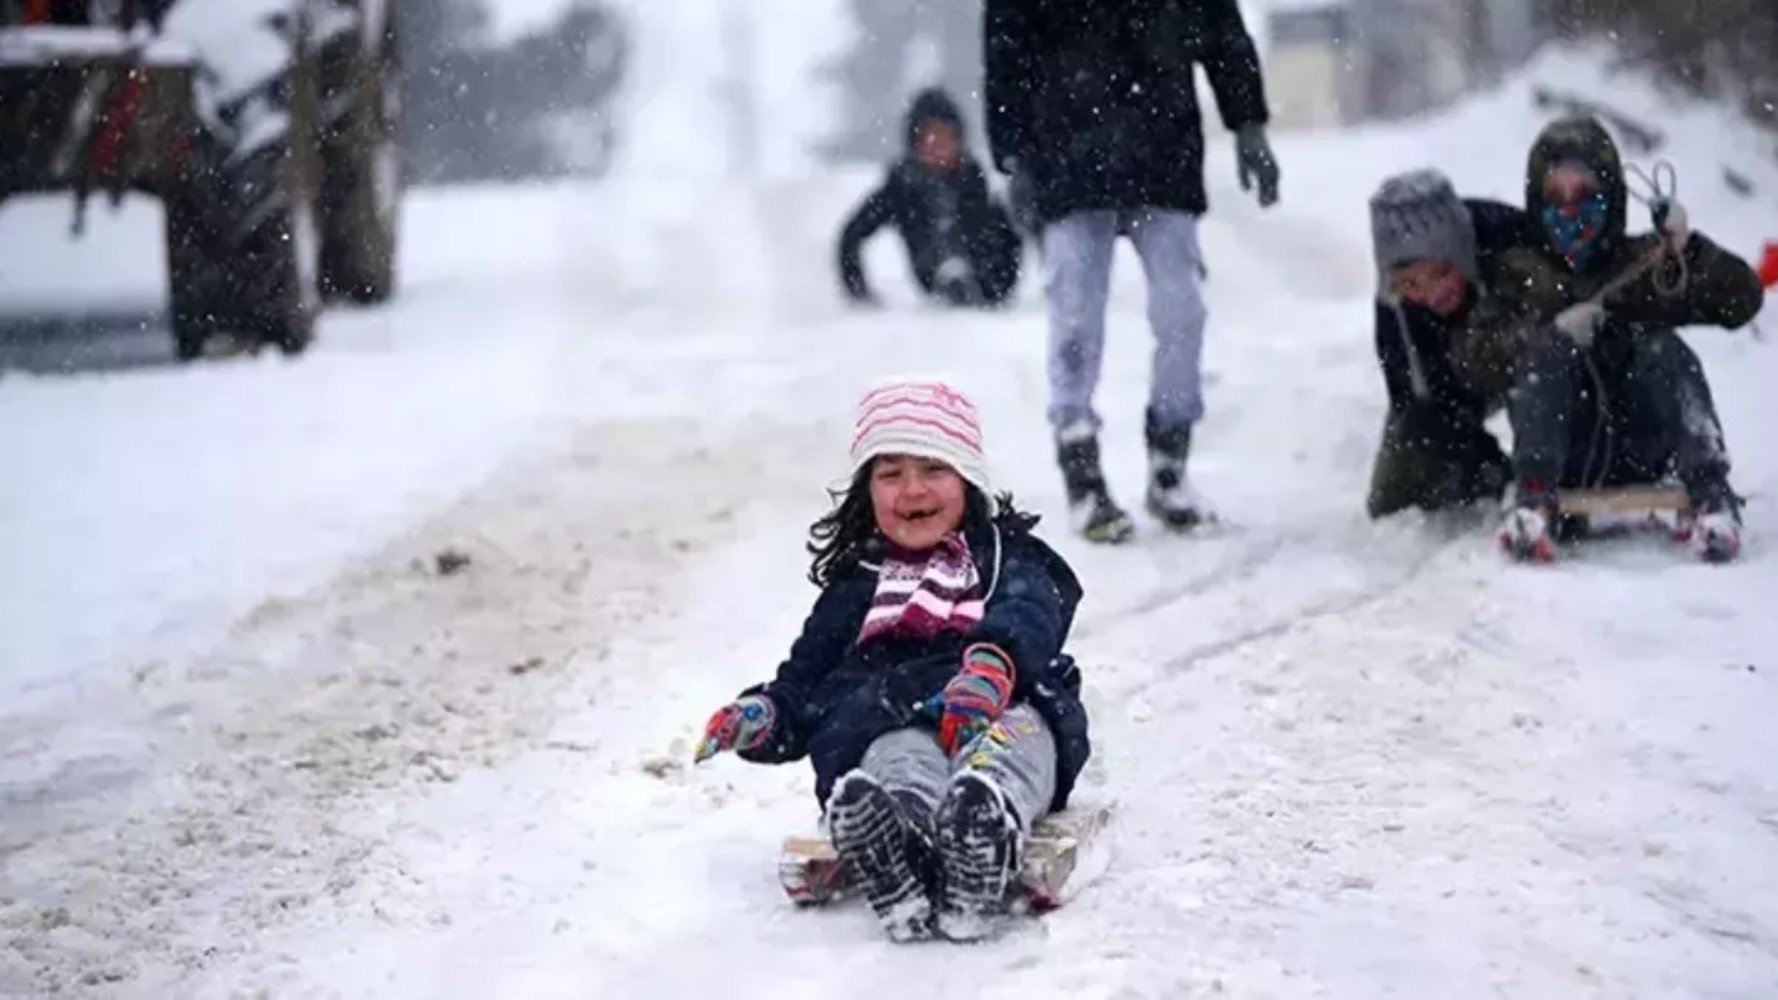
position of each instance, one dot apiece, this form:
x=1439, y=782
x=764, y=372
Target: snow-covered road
x=254, y=744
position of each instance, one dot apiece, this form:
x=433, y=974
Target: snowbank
x=152, y=508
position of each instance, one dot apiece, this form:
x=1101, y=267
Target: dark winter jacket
x=1436, y=450
x=833, y=696
x=1096, y=101
x=1535, y=282
x=938, y=214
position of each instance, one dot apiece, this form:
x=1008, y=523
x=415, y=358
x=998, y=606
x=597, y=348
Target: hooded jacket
x=1536, y=283
x=939, y=214
x=833, y=695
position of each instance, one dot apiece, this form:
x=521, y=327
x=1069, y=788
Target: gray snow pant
x=1654, y=418
x=1018, y=753
x=1077, y=254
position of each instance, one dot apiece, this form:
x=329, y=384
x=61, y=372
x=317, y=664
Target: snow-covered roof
x=509, y=19
x=234, y=40
x=47, y=44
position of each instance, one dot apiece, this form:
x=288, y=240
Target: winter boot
x=1094, y=515
x=979, y=858
x=883, y=854
x=1528, y=533
x=1171, y=498
x=1712, y=524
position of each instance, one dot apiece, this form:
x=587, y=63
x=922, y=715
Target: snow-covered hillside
x=252, y=743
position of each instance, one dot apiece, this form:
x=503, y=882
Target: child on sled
x=928, y=688
x=1604, y=391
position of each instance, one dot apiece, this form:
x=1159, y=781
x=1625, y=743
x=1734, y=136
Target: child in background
x=960, y=240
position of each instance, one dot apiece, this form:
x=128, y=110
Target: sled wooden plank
x=1053, y=852
x=1623, y=500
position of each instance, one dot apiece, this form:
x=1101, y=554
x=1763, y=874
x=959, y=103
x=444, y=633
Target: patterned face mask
x=1574, y=227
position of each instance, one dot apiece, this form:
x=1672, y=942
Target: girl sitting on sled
x=928, y=688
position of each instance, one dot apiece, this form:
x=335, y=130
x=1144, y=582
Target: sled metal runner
x=810, y=871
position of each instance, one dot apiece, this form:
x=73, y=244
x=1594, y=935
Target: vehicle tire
x=195, y=296
x=270, y=233
x=242, y=244
x=360, y=167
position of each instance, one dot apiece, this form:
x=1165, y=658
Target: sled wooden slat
x=1623, y=500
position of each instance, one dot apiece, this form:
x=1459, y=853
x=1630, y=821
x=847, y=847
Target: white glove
x=1580, y=323
x=1671, y=221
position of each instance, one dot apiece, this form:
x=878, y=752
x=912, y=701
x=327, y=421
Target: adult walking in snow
x=1603, y=390
x=1436, y=255
x=960, y=241
x=928, y=688
x=1091, y=106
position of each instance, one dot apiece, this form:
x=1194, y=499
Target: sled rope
x=1671, y=276
x=1661, y=184
x=1601, y=427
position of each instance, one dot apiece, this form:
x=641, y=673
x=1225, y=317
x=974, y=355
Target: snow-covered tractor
x=268, y=130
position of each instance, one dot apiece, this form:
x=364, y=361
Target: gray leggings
x=1077, y=252
x=1018, y=754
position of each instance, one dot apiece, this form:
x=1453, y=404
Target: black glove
x=1254, y=159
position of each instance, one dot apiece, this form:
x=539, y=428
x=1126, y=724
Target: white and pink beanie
x=925, y=417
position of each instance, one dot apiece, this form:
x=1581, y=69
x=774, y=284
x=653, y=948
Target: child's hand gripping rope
x=973, y=699
x=740, y=725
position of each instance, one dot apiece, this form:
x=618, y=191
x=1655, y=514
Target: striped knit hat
x=920, y=416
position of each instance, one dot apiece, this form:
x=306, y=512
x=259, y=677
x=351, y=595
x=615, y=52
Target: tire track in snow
x=276, y=755
x=1308, y=614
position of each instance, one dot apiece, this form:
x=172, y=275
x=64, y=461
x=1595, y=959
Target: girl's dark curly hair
x=848, y=535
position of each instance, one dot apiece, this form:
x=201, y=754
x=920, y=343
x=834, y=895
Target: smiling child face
x=917, y=501
x=1437, y=285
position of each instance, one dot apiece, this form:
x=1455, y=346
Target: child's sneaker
x=1091, y=510
x=978, y=852
x=875, y=845
x=1712, y=528
x=1527, y=534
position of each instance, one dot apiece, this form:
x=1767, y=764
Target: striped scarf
x=920, y=596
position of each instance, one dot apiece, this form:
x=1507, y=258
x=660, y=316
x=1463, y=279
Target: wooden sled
x=1617, y=510
x=1623, y=500
x=1058, y=856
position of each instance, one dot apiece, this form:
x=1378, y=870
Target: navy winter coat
x=833, y=696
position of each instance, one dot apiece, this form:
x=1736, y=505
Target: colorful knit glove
x=975, y=697
x=740, y=725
